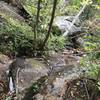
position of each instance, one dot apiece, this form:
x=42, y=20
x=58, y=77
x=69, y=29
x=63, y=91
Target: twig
x=17, y=90
x=88, y=97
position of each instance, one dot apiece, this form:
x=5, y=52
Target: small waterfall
x=11, y=85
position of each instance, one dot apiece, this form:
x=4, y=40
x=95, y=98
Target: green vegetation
x=33, y=33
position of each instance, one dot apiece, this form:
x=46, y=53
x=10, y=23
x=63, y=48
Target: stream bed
x=57, y=77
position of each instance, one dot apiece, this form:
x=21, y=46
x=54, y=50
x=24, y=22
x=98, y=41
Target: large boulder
x=8, y=10
x=34, y=70
x=64, y=23
x=57, y=84
x=31, y=69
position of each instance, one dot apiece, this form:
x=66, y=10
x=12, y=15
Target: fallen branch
x=75, y=19
x=17, y=90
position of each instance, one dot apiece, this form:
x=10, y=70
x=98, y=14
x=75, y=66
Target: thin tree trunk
x=76, y=17
x=37, y=18
x=51, y=22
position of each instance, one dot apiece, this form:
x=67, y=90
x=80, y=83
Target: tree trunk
x=37, y=18
x=51, y=22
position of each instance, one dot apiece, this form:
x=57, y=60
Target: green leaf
x=97, y=55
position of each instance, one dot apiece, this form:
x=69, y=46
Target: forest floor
x=64, y=81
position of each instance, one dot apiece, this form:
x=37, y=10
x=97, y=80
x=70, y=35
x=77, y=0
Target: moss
x=35, y=63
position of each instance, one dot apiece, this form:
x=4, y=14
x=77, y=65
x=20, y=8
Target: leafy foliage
x=17, y=39
x=20, y=35
x=92, y=48
x=56, y=43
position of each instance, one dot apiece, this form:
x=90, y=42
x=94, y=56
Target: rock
x=47, y=97
x=16, y=7
x=64, y=22
x=8, y=10
x=33, y=69
x=73, y=34
x=4, y=64
x=38, y=97
x=48, y=84
x=58, y=81
x=13, y=2
x=56, y=85
x=4, y=59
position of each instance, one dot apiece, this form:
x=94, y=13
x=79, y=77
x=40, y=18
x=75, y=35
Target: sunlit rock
x=64, y=23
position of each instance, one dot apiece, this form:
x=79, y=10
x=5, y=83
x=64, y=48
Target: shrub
x=17, y=40
x=56, y=43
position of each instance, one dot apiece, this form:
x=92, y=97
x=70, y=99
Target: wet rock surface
x=4, y=65
x=47, y=80
x=55, y=84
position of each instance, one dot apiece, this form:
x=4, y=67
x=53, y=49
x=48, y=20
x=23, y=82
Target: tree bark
x=37, y=18
x=50, y=25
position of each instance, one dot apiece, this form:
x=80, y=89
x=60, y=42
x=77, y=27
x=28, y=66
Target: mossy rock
x=34, y=69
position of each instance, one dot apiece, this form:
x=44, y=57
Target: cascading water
x=11, y=85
